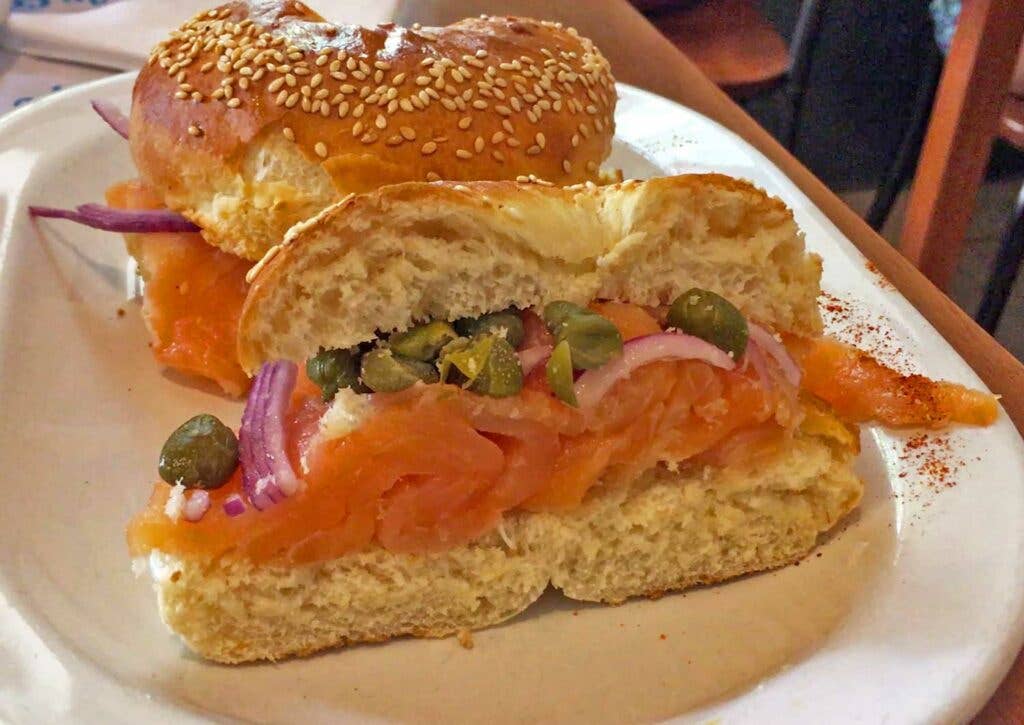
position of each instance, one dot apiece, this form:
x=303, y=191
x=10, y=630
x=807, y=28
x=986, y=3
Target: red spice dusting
x=662, y=636
x=932, y=460
x=120, y=312
x=851, y=322
x=879, y=277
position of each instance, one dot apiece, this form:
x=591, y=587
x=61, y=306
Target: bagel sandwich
x=258, y=114
x=466, y=393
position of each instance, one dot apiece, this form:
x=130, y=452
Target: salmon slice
x=435, y=466
x=860, y=388
x=193, y=297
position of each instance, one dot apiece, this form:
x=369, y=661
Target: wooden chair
x=964, y=122
x=1011, y=247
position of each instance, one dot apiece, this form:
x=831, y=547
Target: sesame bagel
x=256, y=115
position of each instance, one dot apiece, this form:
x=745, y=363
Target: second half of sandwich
x=256, y=115
x=465, y=392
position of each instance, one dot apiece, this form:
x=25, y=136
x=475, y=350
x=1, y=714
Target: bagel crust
x=256, y=115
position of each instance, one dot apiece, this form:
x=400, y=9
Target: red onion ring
x=267, y=474
x=109, y=219
x=531, y=357
x=196, y=506
x=593, y=385
x=112, y=115
x=777, y=351
x=234, y=505
x=755, y=357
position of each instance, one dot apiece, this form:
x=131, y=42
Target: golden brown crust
x=484, y=98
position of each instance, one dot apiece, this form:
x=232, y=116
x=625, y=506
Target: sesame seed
x=316, y=80
x=321, y=60
x=347, y=89
x=428, y=148
x=234, y=102
x=566, y=166
x=321, y=94
x=288, y=133
x=181, y=94
x=194, y=130
x=575, y=140
x=449, y=104
x=281, y=97
x=290, y=80
x=463, y=154
x=591, y=166
x=381, y=122
x=507, y=125
x=432, y=176
x=320, y=149
x=358, y=111
x=343, y=109
x=292, y=100
x=539, y=138
x=305, y=104
x=406, y=105
x=478, y=145
x=275, y=85
x=422, y=80
x=398, y=79
x=480, y=105
x=533, y=150
x=393, y=140
x=512, y=142
x=357, y=128
x=465, y=122
x=368, y=137
x=481, y=53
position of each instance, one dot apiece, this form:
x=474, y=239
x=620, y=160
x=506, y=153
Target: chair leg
x=1004, y=271
x=801, y=50
x=902, y=167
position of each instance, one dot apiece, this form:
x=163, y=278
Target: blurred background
x=849, y=86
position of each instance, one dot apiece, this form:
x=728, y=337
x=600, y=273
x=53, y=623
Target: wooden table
x=641, y=56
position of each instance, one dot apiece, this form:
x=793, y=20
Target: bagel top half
x=256, y=115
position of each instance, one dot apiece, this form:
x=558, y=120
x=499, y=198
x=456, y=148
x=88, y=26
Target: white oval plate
x=911, y=613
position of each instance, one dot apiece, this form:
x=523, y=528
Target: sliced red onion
x=109, y=219
x=267, y=474
x=755, y=357
x=112, y=115
x=777, y=351
x=234, y=505
x=196, y=506
x=531, y=357
x=593, y=385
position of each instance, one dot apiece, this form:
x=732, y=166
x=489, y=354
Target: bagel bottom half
x=661, y=532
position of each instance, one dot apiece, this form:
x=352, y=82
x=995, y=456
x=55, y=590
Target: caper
x=712, y=318
x=555, y=313
x=333, y=370
x=559, y=372
x=594, y=339
x=423, y=342
x=201, y=453
x=382, y=371
x=506, y=323
x=487, y=365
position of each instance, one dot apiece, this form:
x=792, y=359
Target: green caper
x=423, y=342
x=201, y=453
x=594, y=339
x=333, y=370
x=555, y=313
x=506, y=323
x=385, y=372
x=712, y=318
x=487, y=365
x=559, y=372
